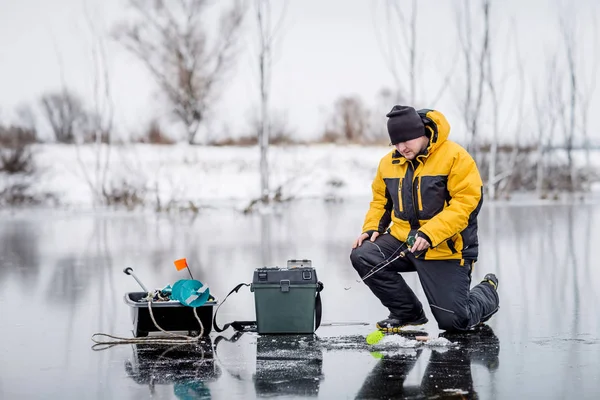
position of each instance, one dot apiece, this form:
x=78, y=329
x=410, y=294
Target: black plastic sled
x=169, y=315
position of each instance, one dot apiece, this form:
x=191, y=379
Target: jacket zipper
x=413, y=194
x=419, y=199
x=400, y=205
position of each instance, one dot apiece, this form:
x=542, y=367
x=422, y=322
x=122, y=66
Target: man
x=428, y=190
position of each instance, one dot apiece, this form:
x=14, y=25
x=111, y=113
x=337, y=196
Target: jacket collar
x=423, y=154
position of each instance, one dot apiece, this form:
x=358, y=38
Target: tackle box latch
x=284, y=285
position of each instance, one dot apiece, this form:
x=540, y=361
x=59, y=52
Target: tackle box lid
x=274, y=275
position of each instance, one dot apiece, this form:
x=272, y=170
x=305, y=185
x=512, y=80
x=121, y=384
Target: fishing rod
x=408, y=243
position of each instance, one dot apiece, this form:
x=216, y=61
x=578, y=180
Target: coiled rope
x=176, y=338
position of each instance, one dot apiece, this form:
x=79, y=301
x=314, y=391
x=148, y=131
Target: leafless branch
x=520, y=106
x=170, y=38
x=588, y=90
x=567, y=34
x=65, y=113
x=473, y=97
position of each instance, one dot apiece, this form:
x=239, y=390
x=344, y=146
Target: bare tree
x=512, y=114
x=263, y=16
x=401, y=53
x=171, y=39
x=488, y=74
x=587, y=92
x=578, y=88
x=65, y=113
x=474, y=56
x=407, y=53
x=570, y=120
x=100, y=122
x=546, y=97
x=267, y=36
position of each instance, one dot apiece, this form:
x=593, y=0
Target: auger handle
x=129, y=271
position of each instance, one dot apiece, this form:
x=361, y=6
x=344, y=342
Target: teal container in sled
x=285, y=299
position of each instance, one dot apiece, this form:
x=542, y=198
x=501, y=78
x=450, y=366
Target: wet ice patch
x=404, y=342
x=399, y=341
x=439, y=342
x=389, y=342
x=344, y=345
x=456, y=391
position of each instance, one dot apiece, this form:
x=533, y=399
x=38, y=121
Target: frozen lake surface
x=61, y=281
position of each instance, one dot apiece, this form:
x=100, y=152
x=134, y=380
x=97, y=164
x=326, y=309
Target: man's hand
x=420, y=244
x=362, y=238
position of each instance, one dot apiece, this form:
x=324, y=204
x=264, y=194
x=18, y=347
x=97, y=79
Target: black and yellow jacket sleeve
x=439, y=194
x=465, y=194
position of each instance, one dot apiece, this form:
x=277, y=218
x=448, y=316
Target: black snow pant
x=446, y=285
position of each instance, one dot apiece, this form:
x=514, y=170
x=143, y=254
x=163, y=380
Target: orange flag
x=181, y=264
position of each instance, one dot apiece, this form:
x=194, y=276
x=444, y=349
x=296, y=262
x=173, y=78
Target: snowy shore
x=183, y=176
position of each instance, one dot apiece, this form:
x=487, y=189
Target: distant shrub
x=155, y=135
x=281, y=138
x=16, y=160
x=349, y=122
x=16, y=194
x=523, y=172
x=18, y=167
x=14, y=136
x=485, y=147
x=15, y=150
x=279, y=133
x=246, y=141
x=330, y=136
x=124, y=194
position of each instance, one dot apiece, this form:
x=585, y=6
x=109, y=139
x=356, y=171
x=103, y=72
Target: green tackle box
x=286, y=299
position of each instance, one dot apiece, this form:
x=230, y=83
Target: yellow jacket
x=439, y=194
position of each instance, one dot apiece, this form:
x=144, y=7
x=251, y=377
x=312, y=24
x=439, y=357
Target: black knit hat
x=404, y=124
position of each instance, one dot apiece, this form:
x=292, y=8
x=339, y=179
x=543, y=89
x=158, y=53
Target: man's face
x=411, y=148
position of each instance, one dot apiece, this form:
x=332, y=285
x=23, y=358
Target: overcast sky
x=328, y=49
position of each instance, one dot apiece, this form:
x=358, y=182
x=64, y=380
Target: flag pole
x=181, y=264
x=188, y=268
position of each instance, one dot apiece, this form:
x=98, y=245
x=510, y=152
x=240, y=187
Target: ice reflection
x=187, y=368
x=448, y=371
x=61, y=281
x=288, y=366
x=543, y=252
x=19, y=251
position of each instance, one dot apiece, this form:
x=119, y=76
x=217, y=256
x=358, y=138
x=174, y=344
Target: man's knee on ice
x=357, y=258
x=448, y=321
